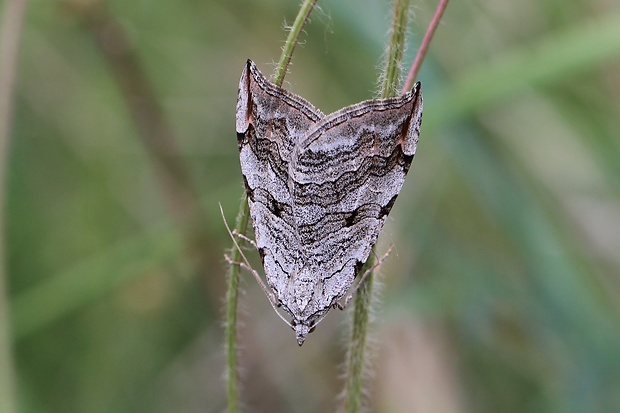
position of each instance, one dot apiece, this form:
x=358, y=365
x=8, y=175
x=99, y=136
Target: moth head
x=301, y=331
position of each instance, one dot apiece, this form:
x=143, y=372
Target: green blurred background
x=503, y=290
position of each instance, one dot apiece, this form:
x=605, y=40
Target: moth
x=319, y=188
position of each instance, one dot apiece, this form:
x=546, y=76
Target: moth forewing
x=319, y=187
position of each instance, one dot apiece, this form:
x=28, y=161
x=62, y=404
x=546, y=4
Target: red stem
x=426, y=42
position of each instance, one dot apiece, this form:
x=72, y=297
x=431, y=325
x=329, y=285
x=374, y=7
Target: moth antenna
x=269, y=294
x=366, y=273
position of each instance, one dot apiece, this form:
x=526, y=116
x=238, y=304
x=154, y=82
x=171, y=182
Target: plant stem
x=356, y=357
x=291, y=41
x=14, y=11
x=232, y=385
x=396, y=48
x=426, y=42
x=232, y=298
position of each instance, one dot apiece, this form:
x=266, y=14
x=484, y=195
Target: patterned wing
x=270, y=121
x=345, y=176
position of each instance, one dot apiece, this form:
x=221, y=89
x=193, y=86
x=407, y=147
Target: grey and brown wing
x=345, y=176
x=269, y=122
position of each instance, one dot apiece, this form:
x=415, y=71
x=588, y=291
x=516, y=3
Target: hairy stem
x=232, y=385
x=13, y=17
x=293, y=38
x=232, y=298
x=396, y=48
x=356, y=357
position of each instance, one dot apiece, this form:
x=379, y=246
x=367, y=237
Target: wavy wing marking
x=344, y=178
x=270, y=121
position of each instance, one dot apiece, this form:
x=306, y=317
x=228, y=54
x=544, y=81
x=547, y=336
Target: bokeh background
x=503, y=290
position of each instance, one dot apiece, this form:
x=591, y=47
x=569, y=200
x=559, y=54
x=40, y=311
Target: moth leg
x=246, y=239
x=240, y=264
x=341, y=306
x=270, y=296
x=246, y=264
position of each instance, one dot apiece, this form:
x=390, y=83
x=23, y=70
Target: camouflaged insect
x=319, y=188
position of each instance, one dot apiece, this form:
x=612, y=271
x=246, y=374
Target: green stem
x=396, y=48
x=363, y=300
x=232, y=385
x=357, y=346
x=291, y=41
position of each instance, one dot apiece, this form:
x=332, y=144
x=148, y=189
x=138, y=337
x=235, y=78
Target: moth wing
x=345, y=176
x=269, y=122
